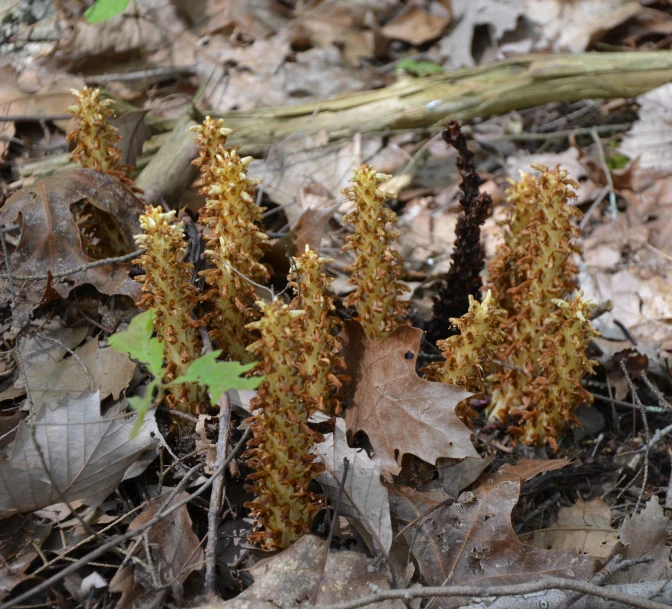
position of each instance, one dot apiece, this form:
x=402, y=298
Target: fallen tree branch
x=426, y=103
x=611, y=594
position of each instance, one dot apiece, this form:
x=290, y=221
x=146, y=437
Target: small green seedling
x=102, y=10
x=140, y=345
x=420, y=69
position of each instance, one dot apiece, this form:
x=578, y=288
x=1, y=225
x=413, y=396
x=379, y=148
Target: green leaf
x=102, y=10
x=218, y=376
x=137, y=341
x=419, y=68
x=141, y=405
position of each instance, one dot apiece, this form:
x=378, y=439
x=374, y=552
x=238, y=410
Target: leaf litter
x=435, y=493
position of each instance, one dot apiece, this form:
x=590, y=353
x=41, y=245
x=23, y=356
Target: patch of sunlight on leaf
x=102, y=10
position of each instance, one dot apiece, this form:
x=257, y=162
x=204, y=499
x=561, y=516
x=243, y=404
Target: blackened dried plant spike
x=464, y=276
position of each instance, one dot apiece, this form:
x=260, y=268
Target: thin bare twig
x=210, y=587
x=77, y=269
x=635, y=397
x=549, y=583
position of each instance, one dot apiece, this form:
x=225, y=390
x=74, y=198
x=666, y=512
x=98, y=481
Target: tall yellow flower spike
x=167, y=287
x=530, y=275
x=236, y=242
x=320, y=360
x=94, y=138
x=557, y=390
x=281, y=450
x=469, y=354
x=377, y=268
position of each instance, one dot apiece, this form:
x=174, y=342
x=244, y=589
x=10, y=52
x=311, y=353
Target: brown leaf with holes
x=473, y=541
x=66, y=221
x=400, y=412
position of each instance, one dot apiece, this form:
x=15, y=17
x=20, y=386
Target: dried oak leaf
x=289, y=579
x=473, y=541
x=176, y=553
x=400, y=412
x=66, y=221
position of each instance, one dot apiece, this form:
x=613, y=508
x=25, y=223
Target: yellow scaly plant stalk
x=280, y=451
x=469, y=354
x=94, y=138
x=530, y=274
x=167, y=288
x=236, y=241
x=320, y=361
x=376, y=270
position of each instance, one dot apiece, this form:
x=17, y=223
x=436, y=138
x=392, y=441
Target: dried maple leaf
x=400, y=412
x=66, y=221
x=473, y=541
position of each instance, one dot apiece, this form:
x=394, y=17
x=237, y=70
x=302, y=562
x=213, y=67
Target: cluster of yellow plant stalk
x=526, y=330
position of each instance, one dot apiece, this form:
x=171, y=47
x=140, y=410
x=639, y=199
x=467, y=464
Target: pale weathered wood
x=465, y=94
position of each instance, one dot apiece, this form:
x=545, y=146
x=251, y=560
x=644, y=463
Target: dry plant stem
x=463, y=94
x=647, y=447
x=467, y=258
x=216, y=495
x=162, y=513
x=332, y=528
x=549, y=583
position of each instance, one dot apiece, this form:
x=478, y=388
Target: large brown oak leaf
x=400, y=412
x=66, y=221
x=473, y=541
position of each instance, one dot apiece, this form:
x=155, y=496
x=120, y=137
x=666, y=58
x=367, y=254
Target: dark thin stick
x=36, y=118
x=332, y=527
x=150, y=74
x=210, y=586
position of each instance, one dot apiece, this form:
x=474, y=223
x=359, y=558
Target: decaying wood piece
x=514, y=84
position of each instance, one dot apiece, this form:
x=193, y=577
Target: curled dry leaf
x=86, y=456
x=176, y=552
x=364, y=497
x=66, y=221
x=584, y=527
x=645, y=534
x=473, y=541
x=400, y=412
x=291, y=577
